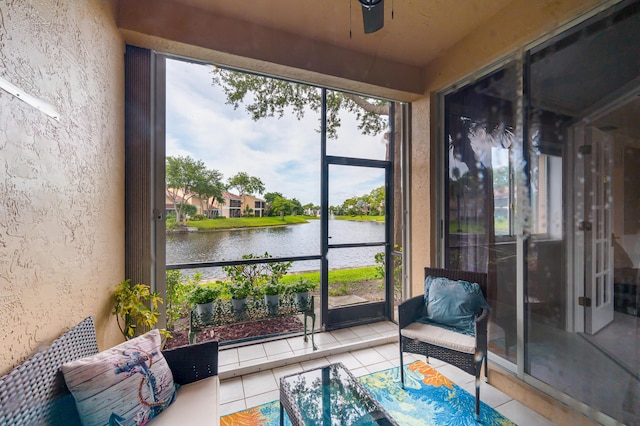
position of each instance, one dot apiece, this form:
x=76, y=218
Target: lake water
x=292, y=240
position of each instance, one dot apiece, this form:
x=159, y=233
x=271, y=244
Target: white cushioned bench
x=35, y=392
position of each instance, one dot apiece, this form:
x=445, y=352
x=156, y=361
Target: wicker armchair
x=462, y=351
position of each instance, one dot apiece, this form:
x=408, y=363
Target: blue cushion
x=454, y=304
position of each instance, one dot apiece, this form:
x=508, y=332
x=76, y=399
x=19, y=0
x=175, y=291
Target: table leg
x=313, y=330
x=281, y=414
x=310, y=312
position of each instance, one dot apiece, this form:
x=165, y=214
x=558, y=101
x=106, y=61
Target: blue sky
x=284, y=153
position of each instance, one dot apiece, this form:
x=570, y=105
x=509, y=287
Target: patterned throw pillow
x=453, y=304
x=126, y=385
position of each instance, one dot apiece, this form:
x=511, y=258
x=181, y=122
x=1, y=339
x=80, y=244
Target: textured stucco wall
x=61, y=183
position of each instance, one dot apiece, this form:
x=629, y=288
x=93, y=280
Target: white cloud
x=284, y=153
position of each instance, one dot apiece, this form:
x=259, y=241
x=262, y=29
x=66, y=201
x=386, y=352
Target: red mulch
x=237, y=331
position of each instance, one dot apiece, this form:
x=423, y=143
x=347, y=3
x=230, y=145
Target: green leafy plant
x=302, y=285
x=136, y=307
x=171, y=223
x=254, y=277
x=247, y=274
x=275, y=270
x=239, y=289
x=203, y=293
x=397, y=270
x=271, y=287
x=178, y=289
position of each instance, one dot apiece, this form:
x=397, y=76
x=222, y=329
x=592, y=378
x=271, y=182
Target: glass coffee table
x=329, y=396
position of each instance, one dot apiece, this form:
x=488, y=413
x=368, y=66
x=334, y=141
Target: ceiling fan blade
x=373, y=17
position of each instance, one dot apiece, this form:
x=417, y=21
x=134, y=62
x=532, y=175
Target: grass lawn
x=337, y=276
x=361, y=218
x=245, y=222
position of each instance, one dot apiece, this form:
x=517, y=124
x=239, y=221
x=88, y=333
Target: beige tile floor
x=250, y=375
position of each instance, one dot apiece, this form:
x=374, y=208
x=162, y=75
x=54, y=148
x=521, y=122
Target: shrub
x=248, y=278
x=397, y=270
x=131, y=308
x=171, y=222
x=178, y=289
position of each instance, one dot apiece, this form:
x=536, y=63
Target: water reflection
x=293, y=240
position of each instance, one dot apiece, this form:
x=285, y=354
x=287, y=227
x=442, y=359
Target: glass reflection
x=331, y=396
x=479, y=229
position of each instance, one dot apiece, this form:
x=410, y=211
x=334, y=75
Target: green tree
x=281, y=205
x=271, y=97
x=297, y=207
x=245, y=184
x=187, y=209
x=350, y=207
x=210, y=189
x=270, y=196
x=377, y=198
x=186, y=178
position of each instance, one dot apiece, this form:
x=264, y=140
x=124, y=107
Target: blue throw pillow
x=452, y=303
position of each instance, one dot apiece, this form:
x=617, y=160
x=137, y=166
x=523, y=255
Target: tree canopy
x=271, y=97
x=270, y=196
x=246, y=184
x=187, y=178
x=281, y=205
x=369, y=204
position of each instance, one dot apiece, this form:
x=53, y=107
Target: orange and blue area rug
x=429, y=398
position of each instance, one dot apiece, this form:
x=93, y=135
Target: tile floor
x=250, y=375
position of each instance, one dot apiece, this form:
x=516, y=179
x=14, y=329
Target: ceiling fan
x=372, y=15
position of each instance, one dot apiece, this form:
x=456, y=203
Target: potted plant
x=136, y=307
x=271, y=290
x=203, y=296
x=301, y=289
x=239, y=290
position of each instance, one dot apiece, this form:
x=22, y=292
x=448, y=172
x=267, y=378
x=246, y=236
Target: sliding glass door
x=541, y=190
x=479, y=234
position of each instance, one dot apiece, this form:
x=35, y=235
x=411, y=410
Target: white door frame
x=575, y=210
x=599, y=280
x=593, y=220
